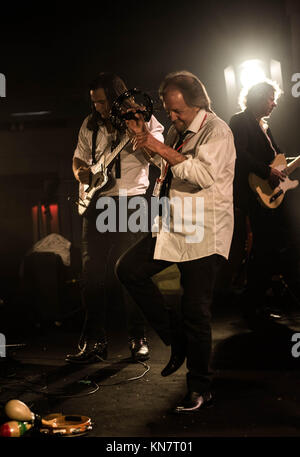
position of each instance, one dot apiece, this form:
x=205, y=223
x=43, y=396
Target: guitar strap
x=94, y=138
x=117, y=160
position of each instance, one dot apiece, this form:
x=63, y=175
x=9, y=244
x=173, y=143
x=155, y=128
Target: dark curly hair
x=254, y=95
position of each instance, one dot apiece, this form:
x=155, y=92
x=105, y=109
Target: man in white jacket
x=195, y=230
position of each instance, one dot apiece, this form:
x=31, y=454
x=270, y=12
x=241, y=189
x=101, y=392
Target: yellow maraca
x=17, y=410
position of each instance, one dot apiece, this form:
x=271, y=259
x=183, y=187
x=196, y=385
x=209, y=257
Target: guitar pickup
x=275, y=196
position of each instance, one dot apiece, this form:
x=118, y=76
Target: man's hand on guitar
x=140, y=135
x=83, y=174
x=136, y=124
x=275, y=177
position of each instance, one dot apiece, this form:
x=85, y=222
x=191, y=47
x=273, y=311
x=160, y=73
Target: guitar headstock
x=130, y=102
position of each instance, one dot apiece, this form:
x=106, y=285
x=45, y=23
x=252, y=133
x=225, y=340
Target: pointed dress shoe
x=175, y=362
x=92, y=352
x=139, y=349
x=193, y=402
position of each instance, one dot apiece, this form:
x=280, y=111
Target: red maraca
x=14, y=428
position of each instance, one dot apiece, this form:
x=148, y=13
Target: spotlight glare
x=251, y=72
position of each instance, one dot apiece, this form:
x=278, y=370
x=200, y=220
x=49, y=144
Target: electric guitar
x=272, y=198
x=99, y=175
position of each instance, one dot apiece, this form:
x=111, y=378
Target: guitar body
x=268, y=197
x=100, y=177
x=98, y=181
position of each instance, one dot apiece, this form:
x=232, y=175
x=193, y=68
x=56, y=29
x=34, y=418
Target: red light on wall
x=44, y=220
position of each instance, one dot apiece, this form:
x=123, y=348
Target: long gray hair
x=192, y=89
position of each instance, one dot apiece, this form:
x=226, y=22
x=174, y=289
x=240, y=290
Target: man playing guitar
x=100, y=250
x=256, y=152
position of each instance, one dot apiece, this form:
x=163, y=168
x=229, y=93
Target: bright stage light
x=251, y=72
x=240, y=77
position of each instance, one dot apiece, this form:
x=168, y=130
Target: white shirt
x=264, y=126
x=134, y=165
x=206, y=178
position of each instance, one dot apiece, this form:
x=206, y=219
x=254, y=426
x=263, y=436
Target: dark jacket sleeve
x=246, y=161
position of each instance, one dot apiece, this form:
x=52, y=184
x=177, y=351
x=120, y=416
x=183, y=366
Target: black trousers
x=100, y=252
x=193, y=333
x=273, y=253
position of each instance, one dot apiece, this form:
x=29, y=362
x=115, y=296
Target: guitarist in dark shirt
x=256, y=149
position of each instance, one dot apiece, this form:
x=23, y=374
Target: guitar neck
x=112, y=155
x=293, y=165
x=118, y=149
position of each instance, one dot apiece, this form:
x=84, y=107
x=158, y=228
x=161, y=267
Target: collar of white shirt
x=197, y=121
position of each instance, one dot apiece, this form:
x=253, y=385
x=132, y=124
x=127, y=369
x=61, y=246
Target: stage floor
x=256, y=382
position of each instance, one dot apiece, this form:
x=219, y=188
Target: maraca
x=19, y=411
x=68, y=425
x=14, y=428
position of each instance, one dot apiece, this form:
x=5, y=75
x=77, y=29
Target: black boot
x=178, y=344
x=92, y=352
x=176, y=360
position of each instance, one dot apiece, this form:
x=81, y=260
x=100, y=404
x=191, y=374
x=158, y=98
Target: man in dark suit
x=256, y=149
x=254, y=142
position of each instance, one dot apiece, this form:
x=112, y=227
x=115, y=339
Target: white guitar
x=272, y=198
x=99, y=175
